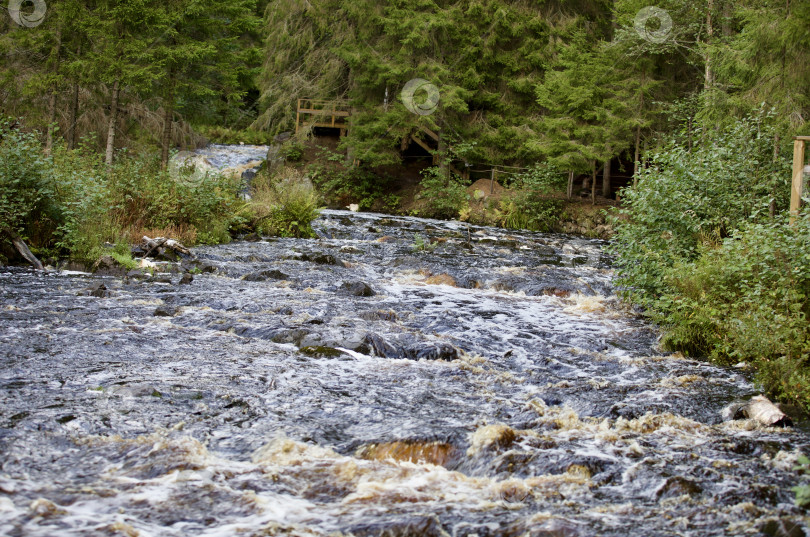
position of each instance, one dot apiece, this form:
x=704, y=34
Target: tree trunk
x=570, y=191
x=53, y=62
x=21, y=247
x=116, y=90
x=593, y=182
x=636, y=157
x=51, y=121
x=73, y=118
x=606, y=180
x=709, y=80
x=168, y=114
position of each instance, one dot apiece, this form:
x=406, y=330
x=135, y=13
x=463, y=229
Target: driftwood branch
x=21, y=247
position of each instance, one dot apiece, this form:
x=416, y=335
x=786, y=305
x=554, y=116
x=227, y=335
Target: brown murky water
x=354, y=385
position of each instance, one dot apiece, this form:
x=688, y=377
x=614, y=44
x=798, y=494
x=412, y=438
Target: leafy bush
x=697, y=248
x=684, y=196
x=285, y=204
x=27, y=203
x=444, y=192
x=354, y=184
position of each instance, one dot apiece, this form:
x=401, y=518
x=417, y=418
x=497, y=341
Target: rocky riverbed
x=396, y=376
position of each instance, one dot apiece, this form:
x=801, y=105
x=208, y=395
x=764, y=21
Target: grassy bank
x=69, y=204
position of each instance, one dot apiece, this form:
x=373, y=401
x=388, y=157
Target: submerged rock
x=186, y=279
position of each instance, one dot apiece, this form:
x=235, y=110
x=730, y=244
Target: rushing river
x=394, y=377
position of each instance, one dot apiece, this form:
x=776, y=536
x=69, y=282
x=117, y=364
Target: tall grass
x=285, y=204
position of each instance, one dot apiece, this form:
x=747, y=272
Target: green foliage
x=292, y=150
x=422, y=245
x=355, y=184
x=444, y=192
x=684, y=196
x=697, y=248
x=26, y=184
x=285, y=204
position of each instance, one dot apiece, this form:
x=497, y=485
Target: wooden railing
x=322, y=113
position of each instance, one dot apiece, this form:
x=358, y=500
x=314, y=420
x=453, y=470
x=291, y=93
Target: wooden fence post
x=797, y=187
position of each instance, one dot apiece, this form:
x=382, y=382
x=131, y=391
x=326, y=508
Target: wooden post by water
x=797, y=187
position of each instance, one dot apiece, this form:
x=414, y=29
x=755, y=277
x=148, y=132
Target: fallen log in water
x=761, y=410
x=158, y=243
x=22, y=248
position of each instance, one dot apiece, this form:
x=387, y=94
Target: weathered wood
x=761, y=410
x=797, y=186
x=20, y=246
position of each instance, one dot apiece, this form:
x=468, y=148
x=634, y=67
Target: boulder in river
x=108, y=266
x=264, y=275
x=98, y=290
x=166, y=310
x=357, y=288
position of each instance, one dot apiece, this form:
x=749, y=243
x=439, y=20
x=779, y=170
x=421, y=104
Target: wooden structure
x=323, y=113
x=797, y=185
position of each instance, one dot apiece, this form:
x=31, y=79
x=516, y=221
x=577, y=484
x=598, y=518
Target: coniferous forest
x=694, y=104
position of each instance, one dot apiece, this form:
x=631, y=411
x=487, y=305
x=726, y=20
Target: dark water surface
x=488, y=384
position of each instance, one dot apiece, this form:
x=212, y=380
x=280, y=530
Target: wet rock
x=403, y=526
x=357, y=289
x=162, y=278
x=678, y=486
x=108, y=266
x=437, y=453
x=441, y=279
x=759, y=409
x=379, y=315
x=264, y=275
x=322, y=352
x=137, y=274
x=440, y=351
x=382, y=348
x=98, y=290
x=186, y=279
x=252, y=237
x=782, y=528
x=201, y=266
x=166, y=310
x=320, y=259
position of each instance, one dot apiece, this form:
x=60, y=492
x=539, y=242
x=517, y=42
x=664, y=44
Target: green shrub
x=444, y=192
x=698, y=249
x=354, y=184
x=292, y=150
x=285, y=204
x=27, y=204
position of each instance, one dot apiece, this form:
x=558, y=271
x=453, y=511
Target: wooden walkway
x=323, y=113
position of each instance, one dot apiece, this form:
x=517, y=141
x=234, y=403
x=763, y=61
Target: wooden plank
x=798, y=177
x=802, y=138
x=422, y=144
x=430, y=133
x=317, y=112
